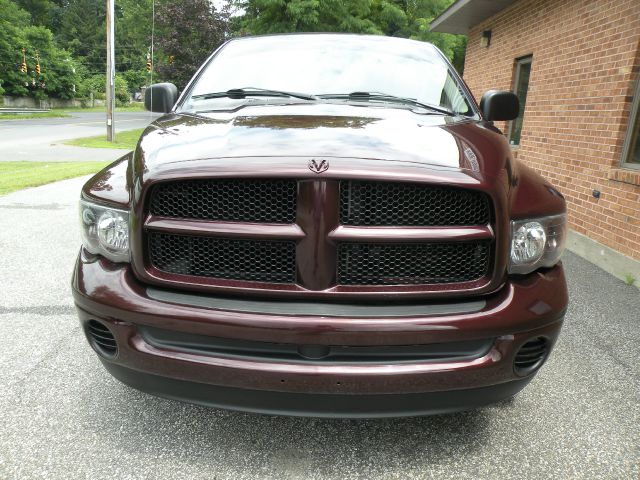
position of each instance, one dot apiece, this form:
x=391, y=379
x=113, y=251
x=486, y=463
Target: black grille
x=102, y=338
x=385, y=203
x=250, y=260
x=237, y=200
x=409, y=264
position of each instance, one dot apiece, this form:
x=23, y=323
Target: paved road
x=40, y=139
x=62, y=416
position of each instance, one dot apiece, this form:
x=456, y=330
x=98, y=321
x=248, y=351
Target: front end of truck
x=323, y=260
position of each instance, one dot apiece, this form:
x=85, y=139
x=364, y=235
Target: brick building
x=575, y=65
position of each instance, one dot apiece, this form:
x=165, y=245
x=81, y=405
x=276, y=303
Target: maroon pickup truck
x=323, y=225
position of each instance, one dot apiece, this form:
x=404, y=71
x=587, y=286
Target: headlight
x=105, y=231
x=537, y=243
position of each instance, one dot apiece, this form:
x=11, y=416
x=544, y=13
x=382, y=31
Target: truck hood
x=325, y=131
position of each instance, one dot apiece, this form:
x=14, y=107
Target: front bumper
x=525, y=308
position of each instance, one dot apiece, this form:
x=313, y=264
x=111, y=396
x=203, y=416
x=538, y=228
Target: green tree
x=57, y=70
x=96, y=85
x=135, y=79
x=40, y=11
x=420, y=14
x=401, y=18
x=83, y=32
x=390, y=16
x=186, y=34
x=133, y=38
x=12, y=21
x=57, y=75
x=281, y=16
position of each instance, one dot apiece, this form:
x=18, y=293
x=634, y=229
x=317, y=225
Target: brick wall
x=586, y=59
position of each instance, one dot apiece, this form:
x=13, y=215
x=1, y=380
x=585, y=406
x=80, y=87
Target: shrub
x=97, y=85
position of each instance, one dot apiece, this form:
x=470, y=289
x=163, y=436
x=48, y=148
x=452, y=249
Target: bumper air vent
x=102, y=339
x=531, y=355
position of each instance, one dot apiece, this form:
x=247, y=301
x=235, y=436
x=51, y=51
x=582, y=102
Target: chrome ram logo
x=318, y=166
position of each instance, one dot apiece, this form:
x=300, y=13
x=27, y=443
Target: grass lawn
x=18, y=175
x=126, y=139
x=23, y=116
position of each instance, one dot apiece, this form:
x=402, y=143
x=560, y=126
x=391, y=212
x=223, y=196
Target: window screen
x=521, y=86
x=631, y=152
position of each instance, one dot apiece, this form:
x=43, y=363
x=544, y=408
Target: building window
x=631, y=150
x=520, y=87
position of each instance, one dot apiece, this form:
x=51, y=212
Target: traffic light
x=37, y=63
x=171, y=59
x=23, y=65
x=149, y=65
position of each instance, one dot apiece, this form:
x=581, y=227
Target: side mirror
x=160, y=97
x=499, y=105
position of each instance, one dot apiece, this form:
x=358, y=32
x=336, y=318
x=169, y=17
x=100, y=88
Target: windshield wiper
x=239, y=93
x=383, y=97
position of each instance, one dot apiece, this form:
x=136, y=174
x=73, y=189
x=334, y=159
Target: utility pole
x=111, y=71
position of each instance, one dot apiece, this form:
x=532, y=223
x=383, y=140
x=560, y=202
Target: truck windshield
x=328, y=68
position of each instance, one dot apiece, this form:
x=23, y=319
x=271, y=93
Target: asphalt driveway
x=63, y=416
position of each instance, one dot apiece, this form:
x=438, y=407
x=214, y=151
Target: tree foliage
x=83, y=32
x=420, y=14
x=70, y=36
x=57, y=75
x=400, y=18
x=278, y=16
x=186, y=34
x=57, y=69
x=42, y=11
x=133, y=40
x=12, y=21
x=95, y=86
